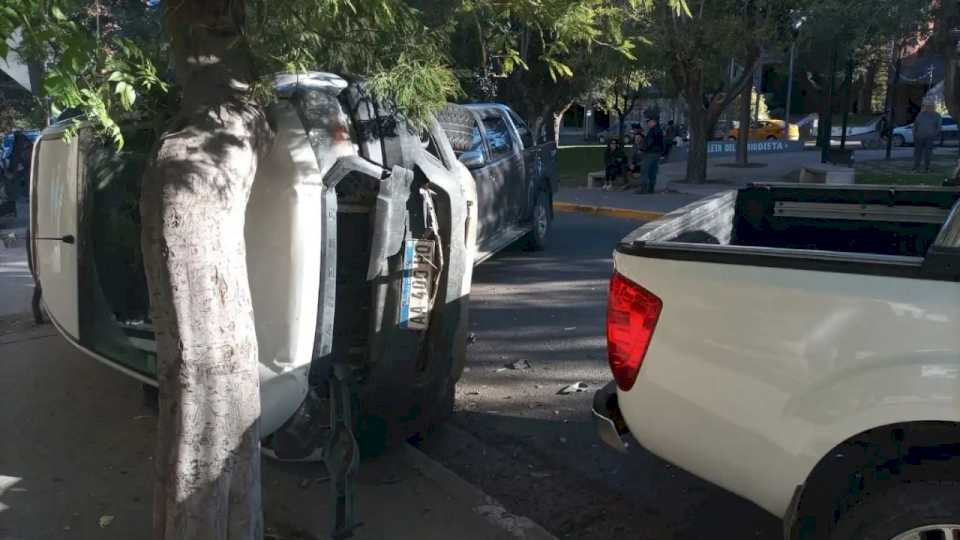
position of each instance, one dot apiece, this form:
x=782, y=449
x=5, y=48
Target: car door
x=497, y=184
x=532, y=166
x=53, y=185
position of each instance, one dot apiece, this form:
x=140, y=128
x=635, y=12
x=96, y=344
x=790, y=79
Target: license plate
x=418, y=273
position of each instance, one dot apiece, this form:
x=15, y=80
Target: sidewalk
x=76, y=462
x=674, y=193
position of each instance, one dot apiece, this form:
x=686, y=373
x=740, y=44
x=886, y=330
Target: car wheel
x=771, y=137
x=910, y=511
x=899, y=140
x=542, y=216
x=731, y=138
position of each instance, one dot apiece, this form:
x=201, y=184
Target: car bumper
x=606, y=416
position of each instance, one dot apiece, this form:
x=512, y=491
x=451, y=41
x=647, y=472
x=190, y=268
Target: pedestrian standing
x=653, y=148
x=926, y=130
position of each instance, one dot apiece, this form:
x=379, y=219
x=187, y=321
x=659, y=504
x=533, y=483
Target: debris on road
x=519, y=364
x=574, y=388
x=473, y=393
x=105, y=521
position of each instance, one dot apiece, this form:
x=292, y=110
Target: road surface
x=516, y=438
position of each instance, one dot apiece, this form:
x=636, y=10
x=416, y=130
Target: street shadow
x=559, y=474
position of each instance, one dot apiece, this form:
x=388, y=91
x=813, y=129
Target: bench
x=826, y=174
x=596, y=178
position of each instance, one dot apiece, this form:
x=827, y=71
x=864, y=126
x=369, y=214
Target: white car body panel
x=755, y=373
x=284, y=220
x=56, y=261
x=907, y=131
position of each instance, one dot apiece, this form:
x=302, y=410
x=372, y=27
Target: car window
x=525, y=136
x=947, y=121
x=501, y=144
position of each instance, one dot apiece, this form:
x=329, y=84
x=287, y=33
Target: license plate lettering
x=417, y=283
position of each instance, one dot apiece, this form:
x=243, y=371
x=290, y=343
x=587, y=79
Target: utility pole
x=891, y=94
x=786, y=114
x=758, y=84
x=846, y=102
x=827, y=124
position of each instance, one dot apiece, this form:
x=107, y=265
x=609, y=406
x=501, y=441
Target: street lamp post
x=786, y=114
x=797, y=23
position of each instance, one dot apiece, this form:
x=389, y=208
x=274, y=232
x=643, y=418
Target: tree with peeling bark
x=946, y=21
x=699, y=45
x=213, y=133
x=540, y=57
x=622, y=91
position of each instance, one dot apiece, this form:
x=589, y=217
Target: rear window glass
x=501, y=145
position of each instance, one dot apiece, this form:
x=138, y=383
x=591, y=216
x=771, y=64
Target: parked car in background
x=765, y=130
x=903, y=135
x=515, y=172
x=799, y=346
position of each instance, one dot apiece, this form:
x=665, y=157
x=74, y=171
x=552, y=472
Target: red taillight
x=632, y=314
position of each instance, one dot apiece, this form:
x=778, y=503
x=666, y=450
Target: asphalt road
x=513, y=436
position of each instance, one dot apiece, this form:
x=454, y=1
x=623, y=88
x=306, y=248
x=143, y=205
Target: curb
x=640, y=215
x=483, y=504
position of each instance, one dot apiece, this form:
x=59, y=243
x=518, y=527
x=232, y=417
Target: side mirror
x=472, y=159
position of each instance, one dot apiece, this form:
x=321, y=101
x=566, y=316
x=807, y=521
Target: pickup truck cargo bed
x=879, y=230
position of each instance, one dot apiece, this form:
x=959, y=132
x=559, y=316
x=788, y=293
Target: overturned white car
x=360, y=234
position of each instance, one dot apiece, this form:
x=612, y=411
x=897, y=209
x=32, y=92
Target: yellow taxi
x=766, y=130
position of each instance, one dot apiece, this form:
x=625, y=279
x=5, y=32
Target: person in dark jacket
x=615, y=161
x=926, y=130
x=636, y=153
x=653, y=149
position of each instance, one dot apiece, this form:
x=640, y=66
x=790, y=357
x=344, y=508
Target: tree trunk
x=951, y=75
x=867, y=88
x=620, y=126
x=697, y=150
x=193, y=205
x=744, y=118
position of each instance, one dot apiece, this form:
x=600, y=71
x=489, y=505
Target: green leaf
x=127, y=94
x=117, y=76
x=57, y=14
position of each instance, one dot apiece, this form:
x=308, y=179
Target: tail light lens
x=632, y=314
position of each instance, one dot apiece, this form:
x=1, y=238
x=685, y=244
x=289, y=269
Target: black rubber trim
x=792, y=259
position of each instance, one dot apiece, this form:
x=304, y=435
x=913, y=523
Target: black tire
x=899, y=141
x=899, y=509
x=772, y=137
x=542, y=218
x=731, y=138
x=457, y=122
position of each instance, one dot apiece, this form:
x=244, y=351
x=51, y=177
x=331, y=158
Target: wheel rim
x=931, y=532
x=542, y=220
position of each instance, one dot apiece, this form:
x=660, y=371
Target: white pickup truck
x=799, y=346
